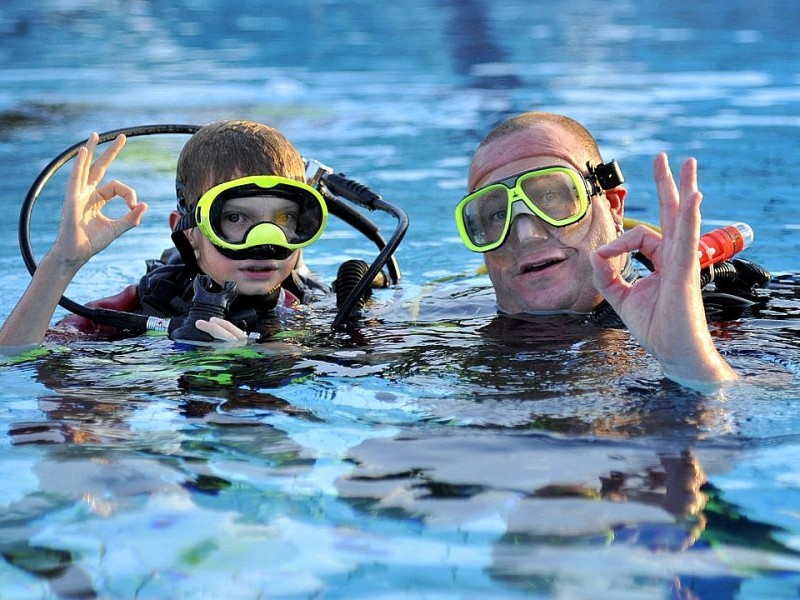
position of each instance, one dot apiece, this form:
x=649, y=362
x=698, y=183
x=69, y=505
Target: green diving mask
x=261, y=217
x=558, y=195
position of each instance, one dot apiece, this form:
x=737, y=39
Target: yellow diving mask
x=261, y=217
x=558, y=195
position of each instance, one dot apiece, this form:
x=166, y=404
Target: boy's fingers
x=131, y=219
x=214, y=330
x=100, y=166
x=221, y=329
x=229, y=327
x=115, y=189
x=91, y=146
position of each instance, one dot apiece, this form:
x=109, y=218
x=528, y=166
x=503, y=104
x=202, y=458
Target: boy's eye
x=286, y=218
x=232, y=217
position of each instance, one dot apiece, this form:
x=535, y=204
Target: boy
x=256, y=214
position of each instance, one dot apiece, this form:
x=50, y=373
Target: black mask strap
x=179, y=238
x=605, y=176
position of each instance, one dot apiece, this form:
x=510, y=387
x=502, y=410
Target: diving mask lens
x=261, y=212
x=557, y=195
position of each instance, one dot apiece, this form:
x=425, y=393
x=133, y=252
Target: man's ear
x=616, y=201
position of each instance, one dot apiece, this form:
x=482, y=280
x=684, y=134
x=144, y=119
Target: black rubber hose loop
x=126, y=321
x=348, y=277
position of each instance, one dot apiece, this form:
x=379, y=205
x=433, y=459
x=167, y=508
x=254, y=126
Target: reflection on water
x=437, y=449
x=500, y=456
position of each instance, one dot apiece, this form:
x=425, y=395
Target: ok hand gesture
x=664, y=311
x=84, y=229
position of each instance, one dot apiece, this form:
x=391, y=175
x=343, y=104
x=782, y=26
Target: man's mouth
x=534, y=267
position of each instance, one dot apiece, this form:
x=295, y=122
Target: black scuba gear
x=167, y=290
x=207, y=302
x=738, y=286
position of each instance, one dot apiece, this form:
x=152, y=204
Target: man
x=547, y=213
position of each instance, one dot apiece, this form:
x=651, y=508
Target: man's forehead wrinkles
x=523, y=144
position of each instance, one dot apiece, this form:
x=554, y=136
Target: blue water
x=435, y=451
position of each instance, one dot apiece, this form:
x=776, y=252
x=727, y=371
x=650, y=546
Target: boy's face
x=253, y=277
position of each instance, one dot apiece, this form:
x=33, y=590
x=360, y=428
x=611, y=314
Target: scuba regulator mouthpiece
x=210, y=300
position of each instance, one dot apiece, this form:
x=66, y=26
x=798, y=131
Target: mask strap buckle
x=316, y=172
x=604, y=176
x=187, y=220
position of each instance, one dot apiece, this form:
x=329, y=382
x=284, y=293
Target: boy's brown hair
x=226, y=150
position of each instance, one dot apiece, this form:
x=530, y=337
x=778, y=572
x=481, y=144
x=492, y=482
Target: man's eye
x=548, y=199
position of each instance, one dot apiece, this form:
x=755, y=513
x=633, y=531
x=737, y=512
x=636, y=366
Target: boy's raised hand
x=84, y=229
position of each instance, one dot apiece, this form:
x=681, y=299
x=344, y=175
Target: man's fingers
x=687, y=236
x=668, y=198
x=641, y=238
x=691, y=197
x=688, y=178
x=607, y=280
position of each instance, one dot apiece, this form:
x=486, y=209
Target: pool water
x=435, y=450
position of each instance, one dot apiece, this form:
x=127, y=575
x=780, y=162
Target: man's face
x=541, y=267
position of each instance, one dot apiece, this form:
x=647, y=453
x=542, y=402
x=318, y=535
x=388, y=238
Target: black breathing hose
x=127, y=321
x=735, y=275
x=358, y=221
x=335, y=185
x=360, y=194
x=350, y=273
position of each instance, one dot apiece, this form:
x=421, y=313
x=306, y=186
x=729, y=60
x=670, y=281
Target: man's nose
x=528, y=227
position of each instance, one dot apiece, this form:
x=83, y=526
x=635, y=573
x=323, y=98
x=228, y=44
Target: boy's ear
x=189, y=235
x=174, y=218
